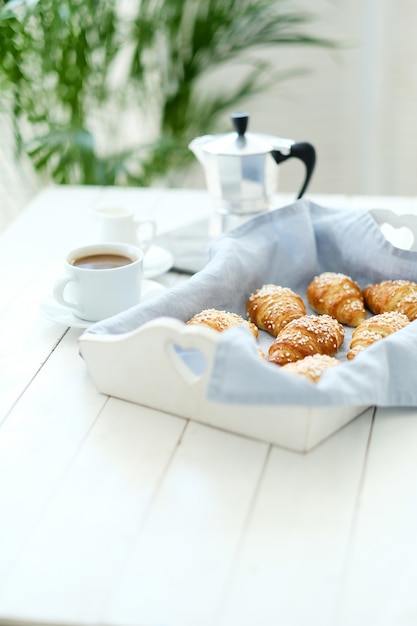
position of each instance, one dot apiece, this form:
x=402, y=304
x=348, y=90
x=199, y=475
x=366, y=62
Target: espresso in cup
x=103, y=261
x=101, y=280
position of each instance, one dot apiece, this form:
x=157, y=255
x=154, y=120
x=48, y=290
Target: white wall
x=18, y=183
x=357, y=105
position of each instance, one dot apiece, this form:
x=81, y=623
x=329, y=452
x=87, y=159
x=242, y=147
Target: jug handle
x=306, y=153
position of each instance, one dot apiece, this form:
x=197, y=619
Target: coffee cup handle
x=58, y=293
x=149, y=228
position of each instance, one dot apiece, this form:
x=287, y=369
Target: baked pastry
x=221, y=320
x=305, y=336
x=337, y=295
x=374, y=329
x=312, y=367
x=392, y=295
x=271, y=307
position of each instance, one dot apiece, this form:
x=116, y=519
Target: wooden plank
x=180, y=562
x=29, y=266
x=44, y=430
x=58, y=218
x=380, y=586
x=38, y=441
x=75, y=556
x=294, y=551
x=26, y=338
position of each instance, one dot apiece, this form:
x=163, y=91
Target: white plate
x=55, y=312
x=157, y=261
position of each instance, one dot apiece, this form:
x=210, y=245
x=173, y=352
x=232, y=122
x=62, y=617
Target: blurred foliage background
x=105, y=92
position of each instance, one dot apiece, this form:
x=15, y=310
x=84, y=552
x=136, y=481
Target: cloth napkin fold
x=288, y=247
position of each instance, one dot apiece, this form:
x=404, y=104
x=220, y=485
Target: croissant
x=312, y=367
x=392, y=295
x=374, y=329
x=221, y=320
x=337, y=295
x=271, y=307
x=305, y=336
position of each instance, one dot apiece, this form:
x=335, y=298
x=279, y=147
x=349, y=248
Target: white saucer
x=157, y=261
x=55, y=312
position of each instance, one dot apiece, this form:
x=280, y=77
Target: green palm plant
x=55, y=59
x=58, y=76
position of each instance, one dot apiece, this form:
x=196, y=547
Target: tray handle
x=162, y=364
x=399, y=229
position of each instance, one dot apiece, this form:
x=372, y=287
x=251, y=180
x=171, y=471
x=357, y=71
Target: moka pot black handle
x=306, y=153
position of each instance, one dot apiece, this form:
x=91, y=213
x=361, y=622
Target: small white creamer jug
x=119, y=224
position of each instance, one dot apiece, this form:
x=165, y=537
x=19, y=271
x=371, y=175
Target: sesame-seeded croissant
x=312, y=367
x=337, y=295
x=221, y=320
x=392, y=295
x=305, y=336
x=271, y=307
x=374, y=329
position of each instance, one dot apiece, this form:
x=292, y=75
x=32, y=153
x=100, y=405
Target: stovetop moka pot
x=241, y=167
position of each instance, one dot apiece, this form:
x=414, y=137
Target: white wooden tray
x=167, y=383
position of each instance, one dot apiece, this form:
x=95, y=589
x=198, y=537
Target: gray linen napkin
x=288, y=247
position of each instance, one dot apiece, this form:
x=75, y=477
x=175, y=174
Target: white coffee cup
x=101, y=280
x=120, y=224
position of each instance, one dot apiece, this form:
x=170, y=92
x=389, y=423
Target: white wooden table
x=111, y=513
